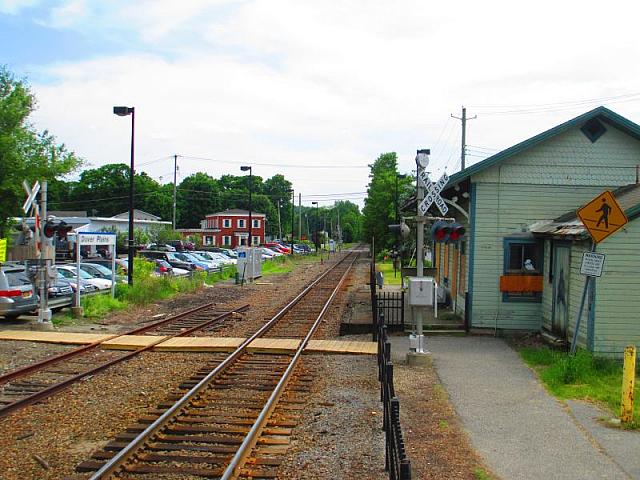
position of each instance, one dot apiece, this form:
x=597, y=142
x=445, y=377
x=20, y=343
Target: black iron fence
x=391, y=305
x=396, y=461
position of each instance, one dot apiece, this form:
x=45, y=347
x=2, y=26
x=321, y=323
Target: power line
x=288, y=165
x=555, y=104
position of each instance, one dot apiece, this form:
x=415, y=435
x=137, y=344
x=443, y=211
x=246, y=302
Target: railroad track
x=40, y=380
x=233, y=418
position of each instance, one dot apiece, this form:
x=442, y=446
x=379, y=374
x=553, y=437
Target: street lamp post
x=293, y=209
x=244, y=168
x=317, y=220
x=123, y=112
x=399, y=176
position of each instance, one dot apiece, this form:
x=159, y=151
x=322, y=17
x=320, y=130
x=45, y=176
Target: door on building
x=560, y=302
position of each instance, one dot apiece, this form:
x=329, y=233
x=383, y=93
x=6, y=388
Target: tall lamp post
x=399, y=176
x=293, y=209
x=244, y=168
x=123, y=112
x=317, y=220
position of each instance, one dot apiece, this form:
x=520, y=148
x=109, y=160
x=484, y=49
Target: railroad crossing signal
x=31, y=194
x=432, y=195
x=447, y=232
x=602, y=216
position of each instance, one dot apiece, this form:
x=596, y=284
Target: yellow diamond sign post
x=3, y=250
x=602, y=216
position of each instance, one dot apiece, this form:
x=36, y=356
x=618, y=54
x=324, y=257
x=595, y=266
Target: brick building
x=229, y=228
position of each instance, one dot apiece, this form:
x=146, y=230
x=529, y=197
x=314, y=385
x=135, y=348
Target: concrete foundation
x=414, y=359
x=77, y=312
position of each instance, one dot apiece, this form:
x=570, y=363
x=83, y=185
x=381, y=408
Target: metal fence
x=396, y=461
x=391, y=305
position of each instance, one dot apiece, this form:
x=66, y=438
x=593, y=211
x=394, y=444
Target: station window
x=523, y=258
x=226, y=240
x=226, y=223
x=256, y=224
x=241, y=223
x=208, y=240
x=255, y=241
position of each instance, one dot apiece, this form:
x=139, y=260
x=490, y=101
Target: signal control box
x=421, y=291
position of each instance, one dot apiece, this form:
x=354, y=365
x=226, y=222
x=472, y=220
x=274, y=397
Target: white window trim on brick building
x=256, y=223
x=226, y=240
x=241, y=223
x=226, y=223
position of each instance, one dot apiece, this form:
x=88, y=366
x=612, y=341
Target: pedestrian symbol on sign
x=602, y=216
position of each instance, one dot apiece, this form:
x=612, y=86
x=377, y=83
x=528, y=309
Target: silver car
x=17, y=293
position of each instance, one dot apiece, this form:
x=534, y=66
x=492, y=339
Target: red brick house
x=228, y=229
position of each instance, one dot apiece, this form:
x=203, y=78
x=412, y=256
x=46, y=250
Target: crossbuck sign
x=432, y=194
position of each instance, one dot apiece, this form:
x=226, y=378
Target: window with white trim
x=226, y=240
x=226, y=223
x=256, y=224
x=241, y=223
x=208, y=240
x=255, y=241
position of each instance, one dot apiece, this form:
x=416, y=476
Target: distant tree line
x=27, y=154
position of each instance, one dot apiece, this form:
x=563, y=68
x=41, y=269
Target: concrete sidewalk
x=515, y=425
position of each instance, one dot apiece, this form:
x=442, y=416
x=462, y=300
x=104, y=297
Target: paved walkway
x=519, y=429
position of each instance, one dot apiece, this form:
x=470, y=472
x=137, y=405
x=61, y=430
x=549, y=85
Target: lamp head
x=122, y=111
x=244, y=168
x=422, y=157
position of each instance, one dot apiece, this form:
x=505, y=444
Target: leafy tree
x=379, y=206
x=198, y=195
x=25, y=154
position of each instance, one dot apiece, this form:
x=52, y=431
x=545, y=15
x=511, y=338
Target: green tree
x=25, y=154
x=379, y=206
x=198, y=195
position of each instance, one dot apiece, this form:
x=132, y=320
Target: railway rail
x=233, y=418
x=40, y=380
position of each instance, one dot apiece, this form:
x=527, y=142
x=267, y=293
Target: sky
x=315, y=90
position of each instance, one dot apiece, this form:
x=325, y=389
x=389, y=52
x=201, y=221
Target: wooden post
x=628, y=382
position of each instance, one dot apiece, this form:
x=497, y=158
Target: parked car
x=272, y=252
x=161, y=247
x=169, y=257
x=84, y=286
x=17, y=294
x=217, y=257
x=277, y=247
x=212, y=263
x=163, y=267
x=188, y=257
x=60, y=293
x=70, y=272
x=178, y=245
x=100, y=271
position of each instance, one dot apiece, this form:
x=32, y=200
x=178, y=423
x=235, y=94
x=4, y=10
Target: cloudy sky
x=315, y=90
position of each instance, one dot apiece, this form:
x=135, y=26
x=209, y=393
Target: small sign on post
x=3, y=250
x=592, y=264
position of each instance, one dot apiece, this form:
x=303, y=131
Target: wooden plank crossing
x=55, y=337
x=192, y=344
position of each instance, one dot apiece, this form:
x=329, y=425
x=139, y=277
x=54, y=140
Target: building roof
x=628, y=197
x=138, y=215
x=601, y=113
x=235, y=212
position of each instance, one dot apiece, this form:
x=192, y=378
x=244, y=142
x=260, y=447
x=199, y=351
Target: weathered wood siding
x=547, y=292
x=617, y=298
x=541, y=183
x=576, y=287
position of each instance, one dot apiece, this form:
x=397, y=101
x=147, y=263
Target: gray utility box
x=249, y=263
x=421, y=291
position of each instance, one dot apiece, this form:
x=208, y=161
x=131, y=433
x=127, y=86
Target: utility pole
x=44, y=313
x=175, y=174
x=279, y=223
x=300, y=215
x=463, y=149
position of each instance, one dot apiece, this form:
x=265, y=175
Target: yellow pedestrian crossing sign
x=602, y=216
x=3, y=249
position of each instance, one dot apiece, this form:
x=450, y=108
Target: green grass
x=582, y=377
x=387, y=270
x=480, y=474
x=97, y=306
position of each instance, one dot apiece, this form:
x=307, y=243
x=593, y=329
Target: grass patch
x=225, y=274
x=582, y=377
x=387, y=270
x=480, y=474
x=97, y=306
